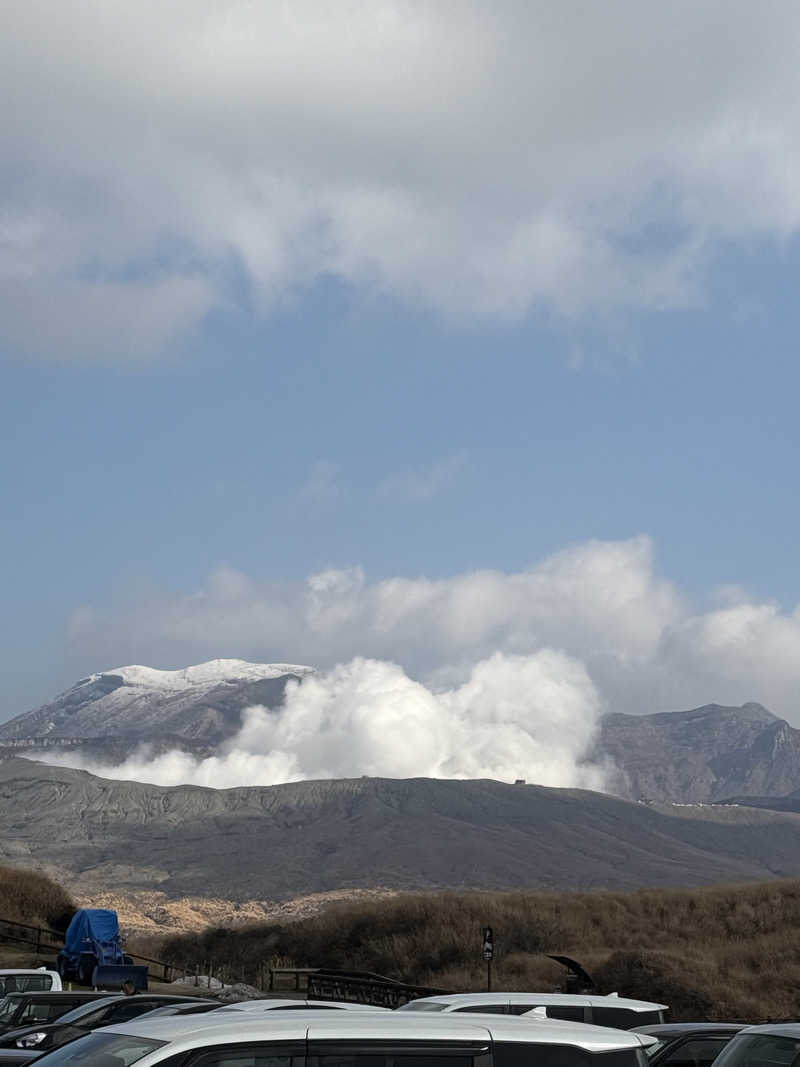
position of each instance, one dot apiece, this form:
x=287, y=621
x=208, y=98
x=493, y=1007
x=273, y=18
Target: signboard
x=488, y=943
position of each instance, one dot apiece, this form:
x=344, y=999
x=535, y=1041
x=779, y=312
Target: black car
x=35, y=1040
x=688, y=1044
x=27, y=1009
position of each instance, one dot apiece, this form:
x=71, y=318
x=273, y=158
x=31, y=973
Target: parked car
x=688, y=1044
x=336, y=1039
x=109, y=1010
x=773, y=1045
x=609, y=1010
x=29, y=980
x=23, y=1009
x=296, y=1005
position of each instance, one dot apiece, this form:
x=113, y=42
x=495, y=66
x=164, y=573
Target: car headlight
x=32, y=1040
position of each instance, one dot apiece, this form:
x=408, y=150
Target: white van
x=29, y=980
x=349, y=1039
x=609, y=1010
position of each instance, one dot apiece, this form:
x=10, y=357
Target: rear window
x=528, y=1054
x=759, y=1050
x=422, y=1005
x=574, y=1013
x=101, y=1050
x=486, y=1009
x=624, y=1018
x=24, y=983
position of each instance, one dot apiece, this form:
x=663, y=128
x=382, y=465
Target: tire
x=86, y=968
x=63, y=968
x=127, y=960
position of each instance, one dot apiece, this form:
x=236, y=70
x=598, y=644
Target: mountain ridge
x=278, y=842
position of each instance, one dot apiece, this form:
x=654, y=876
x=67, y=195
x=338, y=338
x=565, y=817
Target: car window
x=9, y=1006
x=422, y=1005
x=623, y=1018
x=261, y=1055
x=697, y=1052
x=518, y=1054
x=25, y=983
x=486, y=1009
x=100, y=1050
x=760, y=1050
x=129, y=1009
x=92, y=1019
x=574, y=1013
x=41, y=1011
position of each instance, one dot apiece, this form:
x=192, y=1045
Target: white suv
x=610, y=1010
x=350, y=1039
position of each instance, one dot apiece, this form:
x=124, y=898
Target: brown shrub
x=729, y=952
x=27, y=896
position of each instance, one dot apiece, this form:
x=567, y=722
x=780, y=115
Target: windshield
x=101, y=1050
x=759, y=1050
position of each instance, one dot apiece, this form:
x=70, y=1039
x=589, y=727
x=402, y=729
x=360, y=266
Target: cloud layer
x=644, y=645
x=474, y=159
x=528, y=717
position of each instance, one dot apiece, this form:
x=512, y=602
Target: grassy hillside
x=30, y=897
x=724, y=953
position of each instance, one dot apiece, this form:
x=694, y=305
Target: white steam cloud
x=531, y=717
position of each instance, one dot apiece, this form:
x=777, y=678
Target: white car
x=350, y=1039
x=609, y=1010
x=277, y=1004
x=29, y=980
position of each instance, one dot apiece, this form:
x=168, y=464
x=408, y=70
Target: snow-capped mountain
x=202, y=703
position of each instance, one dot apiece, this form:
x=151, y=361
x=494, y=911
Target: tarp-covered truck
x=93, y=952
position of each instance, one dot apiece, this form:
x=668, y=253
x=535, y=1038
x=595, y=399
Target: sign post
x=488, y=955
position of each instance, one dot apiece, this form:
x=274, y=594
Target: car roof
x=56, y=994
x=676, y=1029
x=780, y=1029
x=609, y=1001
x=278, y=1003
x=162, y=999
x=26, y=970
x=186, y=1033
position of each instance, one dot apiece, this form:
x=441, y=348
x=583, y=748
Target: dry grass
x=730, y=952
x=30, y=897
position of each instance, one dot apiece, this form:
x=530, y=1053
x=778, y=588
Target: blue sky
x=299, y=387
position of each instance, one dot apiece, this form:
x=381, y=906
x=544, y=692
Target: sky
x=418, y=332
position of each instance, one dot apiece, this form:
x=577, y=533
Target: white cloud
x=645, y=646
x=469, y=158
x=532, y=717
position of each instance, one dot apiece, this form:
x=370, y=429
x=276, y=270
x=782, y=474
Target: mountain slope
x=201, y=703
x=282, y=841
x=702, y=755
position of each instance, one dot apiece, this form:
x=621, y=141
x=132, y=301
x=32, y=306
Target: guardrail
x=320, y=983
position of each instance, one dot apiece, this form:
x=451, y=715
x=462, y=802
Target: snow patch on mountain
x=214, y=672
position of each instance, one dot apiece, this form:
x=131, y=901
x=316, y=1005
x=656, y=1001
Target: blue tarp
x=91, y=925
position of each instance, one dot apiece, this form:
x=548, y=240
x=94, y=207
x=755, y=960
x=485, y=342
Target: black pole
x=488, y=976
